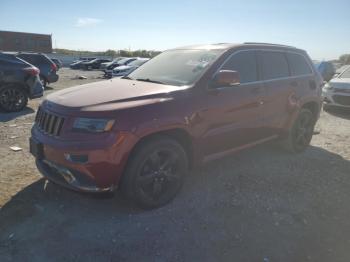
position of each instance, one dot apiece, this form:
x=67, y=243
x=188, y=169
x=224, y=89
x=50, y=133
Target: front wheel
x=13, y=98
x=300, y=135
x=155, y=172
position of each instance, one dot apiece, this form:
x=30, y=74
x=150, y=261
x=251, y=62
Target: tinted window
x=274, y=65
x=298, y=65
x=245, y=64
x=27, y=58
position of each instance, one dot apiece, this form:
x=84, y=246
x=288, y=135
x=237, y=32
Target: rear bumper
x=52, y=78
x=36, y=88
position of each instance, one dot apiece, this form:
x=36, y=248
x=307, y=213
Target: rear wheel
x=300, y=135
x=155, y=172
x=13, y=98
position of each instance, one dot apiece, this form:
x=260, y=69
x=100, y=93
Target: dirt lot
x=259, y=205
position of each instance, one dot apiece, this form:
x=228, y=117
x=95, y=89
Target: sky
x=322, y=28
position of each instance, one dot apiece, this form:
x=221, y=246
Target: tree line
x=109, y=52
x=345, y=59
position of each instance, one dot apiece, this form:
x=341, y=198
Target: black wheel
x=155, y=172
x=300, y=135
x=13, y=98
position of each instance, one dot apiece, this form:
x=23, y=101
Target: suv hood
x=110, y=94
x=340, y=82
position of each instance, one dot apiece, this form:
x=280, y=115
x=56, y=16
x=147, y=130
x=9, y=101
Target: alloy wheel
x=158, y=176
x=12, y=99
x=303, y=131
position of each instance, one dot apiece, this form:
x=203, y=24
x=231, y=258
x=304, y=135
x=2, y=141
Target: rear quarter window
x=27, y=58
x=298, y=64
x=273, y=65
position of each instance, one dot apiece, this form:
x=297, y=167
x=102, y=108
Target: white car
x=126, y=69
x=337, y=91
x=115, y=61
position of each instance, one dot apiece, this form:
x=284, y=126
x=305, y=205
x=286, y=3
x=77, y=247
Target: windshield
x=137, y=62
x=345, y=74
x=176, y=67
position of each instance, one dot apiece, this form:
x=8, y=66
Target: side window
x=273, y=65
x=245, y=64
x=27, y=58
x=298, y=64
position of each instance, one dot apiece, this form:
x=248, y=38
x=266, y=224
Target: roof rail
x=261, y=43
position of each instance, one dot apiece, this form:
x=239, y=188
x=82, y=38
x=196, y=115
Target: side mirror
x=225, y=78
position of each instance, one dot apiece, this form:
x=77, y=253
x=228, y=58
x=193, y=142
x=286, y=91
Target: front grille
x=342, y=100
x=49, y=123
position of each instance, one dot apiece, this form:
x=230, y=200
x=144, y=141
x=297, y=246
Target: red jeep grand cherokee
x=189, y=105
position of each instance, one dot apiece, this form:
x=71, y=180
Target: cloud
x=87, y=21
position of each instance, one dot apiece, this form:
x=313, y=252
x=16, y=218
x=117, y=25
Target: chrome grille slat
x=48, y=123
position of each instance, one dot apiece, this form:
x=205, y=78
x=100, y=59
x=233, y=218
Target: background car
x=109, y=70
x=326, y=69
x=336, y=93
x=107, y=64
x=47, y=67
x=94, y=64
x=19, y=81
x=126, y=69
x=57, y=62
x=78, y=63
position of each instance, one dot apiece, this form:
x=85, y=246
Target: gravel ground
x=261, y=204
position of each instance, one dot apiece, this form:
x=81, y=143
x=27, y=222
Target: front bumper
x=68, y=178
x=100, y=171
x=336, y=99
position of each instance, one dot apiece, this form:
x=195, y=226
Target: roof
x=226, y=46
x=26, y=33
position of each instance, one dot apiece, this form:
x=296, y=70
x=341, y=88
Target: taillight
x=32, y=70
x=53, y=67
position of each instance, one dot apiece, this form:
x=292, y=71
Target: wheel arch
x=314, y=107
x=180, y=135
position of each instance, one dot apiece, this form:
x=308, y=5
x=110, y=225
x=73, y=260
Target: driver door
x=234, y=114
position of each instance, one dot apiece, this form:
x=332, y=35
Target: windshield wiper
x=149, y=80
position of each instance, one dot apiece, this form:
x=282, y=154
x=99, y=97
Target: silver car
x=115, y=61
x=337, y=91
x=126, y=69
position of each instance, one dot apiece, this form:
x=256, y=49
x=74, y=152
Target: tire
x=13, y=98
x=300, y=135
x=155, y=172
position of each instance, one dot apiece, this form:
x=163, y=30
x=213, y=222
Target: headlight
x=94, y=125
x=328, y=86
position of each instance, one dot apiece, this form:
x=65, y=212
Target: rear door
x=234, y=114
x=301, y=73
x=279, y=87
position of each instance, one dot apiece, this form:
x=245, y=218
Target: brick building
x=18, y=41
